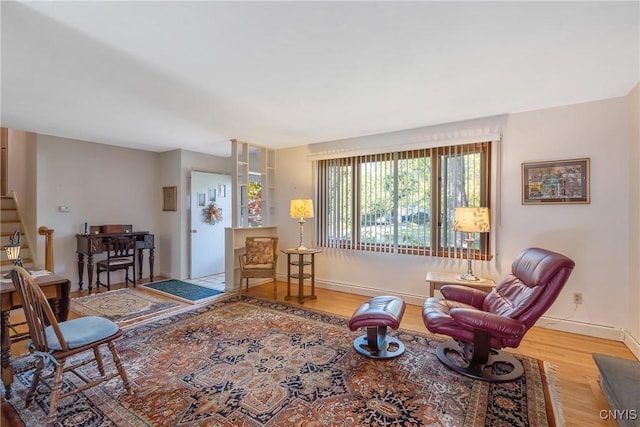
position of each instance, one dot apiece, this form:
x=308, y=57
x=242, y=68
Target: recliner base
x=475, y=369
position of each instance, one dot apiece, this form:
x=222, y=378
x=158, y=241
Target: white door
x=207, y=240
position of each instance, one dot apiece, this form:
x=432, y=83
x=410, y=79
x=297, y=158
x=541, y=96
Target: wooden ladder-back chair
x=55, y=343
x=259, y=261
x=121, y=255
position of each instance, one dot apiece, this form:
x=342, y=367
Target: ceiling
x=164, y=75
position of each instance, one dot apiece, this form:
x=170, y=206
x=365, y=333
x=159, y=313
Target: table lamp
x=13, y=249
x=471, y=220
x=301, y=209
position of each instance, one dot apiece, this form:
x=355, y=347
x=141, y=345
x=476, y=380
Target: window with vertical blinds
x=403, y=202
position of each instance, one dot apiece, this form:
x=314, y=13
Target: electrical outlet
x=577, y=298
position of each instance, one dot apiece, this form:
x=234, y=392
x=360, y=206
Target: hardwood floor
x=570, y=354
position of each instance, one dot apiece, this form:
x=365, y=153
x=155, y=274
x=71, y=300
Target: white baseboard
x=369, y=292
x=582, y=328
x=564, y=325
x=632, y=344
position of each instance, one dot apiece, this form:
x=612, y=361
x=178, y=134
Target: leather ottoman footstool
x=377, y=315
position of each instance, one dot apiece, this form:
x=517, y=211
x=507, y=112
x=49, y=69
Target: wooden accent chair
x=121, y=255
x=259, y=260
x=60, y=340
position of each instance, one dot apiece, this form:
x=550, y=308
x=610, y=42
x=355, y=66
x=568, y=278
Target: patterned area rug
x=183, y=291
x=257, y=363
x=121, y=305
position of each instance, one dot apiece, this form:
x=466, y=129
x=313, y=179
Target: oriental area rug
x=249, y=362
x=122, y=305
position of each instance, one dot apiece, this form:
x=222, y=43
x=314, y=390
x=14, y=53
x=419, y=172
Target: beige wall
x=101, y=184
x=169, y=233
x=633, y=340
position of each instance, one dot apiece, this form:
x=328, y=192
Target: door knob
x=194, y=231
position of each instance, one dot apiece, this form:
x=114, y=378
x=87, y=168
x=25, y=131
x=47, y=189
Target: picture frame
x=170, y=198
x=202, y=199
x=212, y=194
x=556, y=182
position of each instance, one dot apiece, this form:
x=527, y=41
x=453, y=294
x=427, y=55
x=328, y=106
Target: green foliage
x=254, y=190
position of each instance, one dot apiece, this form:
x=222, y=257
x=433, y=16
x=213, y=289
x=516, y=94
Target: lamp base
x=301, y=247
x=469, y=277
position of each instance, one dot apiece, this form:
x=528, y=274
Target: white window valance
x=459, y=133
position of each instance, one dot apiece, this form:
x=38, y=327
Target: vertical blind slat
x=403, y=202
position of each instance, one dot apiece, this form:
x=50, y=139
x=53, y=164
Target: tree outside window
x=402, y=202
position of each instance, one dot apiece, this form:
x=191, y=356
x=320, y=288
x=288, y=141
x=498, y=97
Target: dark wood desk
x=300, y=262
x=55, y=288
x=90, y=244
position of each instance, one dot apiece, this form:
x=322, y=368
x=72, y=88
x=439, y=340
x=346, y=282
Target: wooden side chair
x=55, y=343
x=121, y=255
x=259, y=261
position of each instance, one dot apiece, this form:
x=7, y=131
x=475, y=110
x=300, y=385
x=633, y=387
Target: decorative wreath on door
x=212, y=214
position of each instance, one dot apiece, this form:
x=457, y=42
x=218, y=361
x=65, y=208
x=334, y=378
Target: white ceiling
x=164, y=75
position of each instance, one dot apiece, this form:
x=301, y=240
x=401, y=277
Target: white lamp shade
x=472, y=220
x=301, y=208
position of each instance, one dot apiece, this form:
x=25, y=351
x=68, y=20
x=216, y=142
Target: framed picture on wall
x=169, y=198
x=557, y=181
x=202, y=199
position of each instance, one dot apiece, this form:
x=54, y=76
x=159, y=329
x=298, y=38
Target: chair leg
x=108, y=279
x=34, y=382
x=275, y=289
x=119, y=366
x=98, y=356
x=55, y=394
x=133, y=269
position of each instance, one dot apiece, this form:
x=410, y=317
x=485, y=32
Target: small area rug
x=251, y=362
x=183, y=291
x=121, y=305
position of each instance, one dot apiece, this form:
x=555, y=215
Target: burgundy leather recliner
x=481, y=322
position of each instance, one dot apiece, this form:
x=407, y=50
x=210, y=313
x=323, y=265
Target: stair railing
x=48, y=247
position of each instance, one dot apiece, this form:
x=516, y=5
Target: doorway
x=210, y=214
